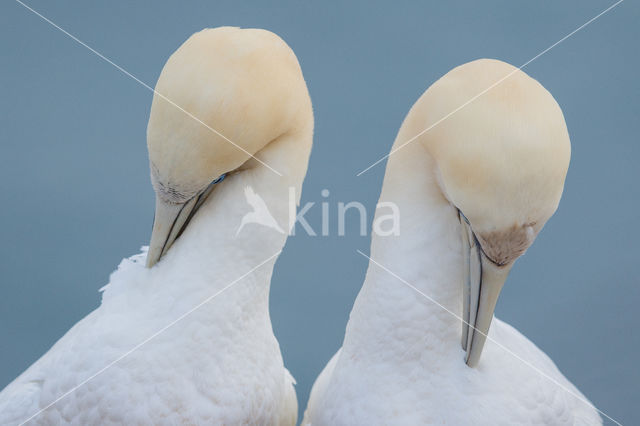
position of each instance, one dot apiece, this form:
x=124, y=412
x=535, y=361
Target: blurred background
x=76, y=196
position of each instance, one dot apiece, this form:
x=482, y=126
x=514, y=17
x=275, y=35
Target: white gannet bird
x=189, y=340
x=473, y=193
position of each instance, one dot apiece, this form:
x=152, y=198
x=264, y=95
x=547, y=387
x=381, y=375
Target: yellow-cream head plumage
x=247, y=88
x=502, y=159
x=223, y=99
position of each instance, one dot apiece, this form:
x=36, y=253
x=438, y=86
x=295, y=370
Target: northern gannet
x=473, y=192
x=189, y=340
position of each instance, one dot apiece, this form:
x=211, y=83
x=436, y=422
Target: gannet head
x=222, y=98
x=501, y=161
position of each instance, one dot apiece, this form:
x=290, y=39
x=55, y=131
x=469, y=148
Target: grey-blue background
x=76, y=196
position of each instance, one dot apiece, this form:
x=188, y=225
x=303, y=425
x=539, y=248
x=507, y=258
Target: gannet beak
x=170, y=221
x=483, y=281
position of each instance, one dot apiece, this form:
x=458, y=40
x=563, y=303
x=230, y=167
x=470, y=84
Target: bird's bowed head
x=501, y=161
x=222, y=97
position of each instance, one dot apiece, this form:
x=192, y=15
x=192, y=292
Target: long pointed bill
x=170, y=221
x=483, y=281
